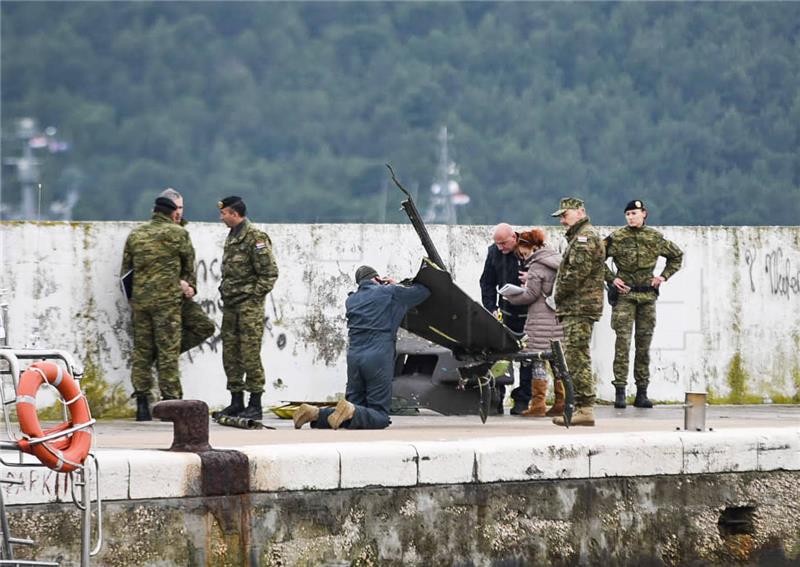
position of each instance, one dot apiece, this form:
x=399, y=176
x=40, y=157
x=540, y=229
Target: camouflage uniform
x=196, y=325
x=160, y=253
x=249, y=273
x=635, y=252
x=579, y=303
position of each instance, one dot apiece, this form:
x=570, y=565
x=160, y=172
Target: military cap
x=228, y=201
x=165, y=203
x=568, y=203
x=634, y=205
x=365, y=273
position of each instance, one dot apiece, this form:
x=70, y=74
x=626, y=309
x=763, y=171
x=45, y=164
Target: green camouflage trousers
x=637, y=309
x=196, y=326
x=156, y=338
x=577, y=338
x=242, y=331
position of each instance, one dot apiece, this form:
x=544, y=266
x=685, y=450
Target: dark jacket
x=374, y=312
x=499, y=270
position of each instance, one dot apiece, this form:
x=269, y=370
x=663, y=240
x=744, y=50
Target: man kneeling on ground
x=374, y=313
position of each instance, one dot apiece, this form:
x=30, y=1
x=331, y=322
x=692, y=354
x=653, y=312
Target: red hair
x=533, y=237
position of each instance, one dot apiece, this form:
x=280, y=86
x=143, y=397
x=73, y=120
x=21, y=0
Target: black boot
x=143, y=409
x=518, y=407
x=237, y=405
x=641, y=400
x=253, y=410
x=619, y=400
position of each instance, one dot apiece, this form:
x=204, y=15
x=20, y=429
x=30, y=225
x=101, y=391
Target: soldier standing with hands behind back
x=249, y=273
x=633, y=291
x=579, y=302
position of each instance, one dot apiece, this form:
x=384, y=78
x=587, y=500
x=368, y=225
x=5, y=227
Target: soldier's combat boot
x=537, y=407
x=237, y=405
x=344, y=411
x=641, y=400
x=253, y=410
x=582, y=416
x=304, y=414
x=143, y=409
x=619, y=399
x=558, y=401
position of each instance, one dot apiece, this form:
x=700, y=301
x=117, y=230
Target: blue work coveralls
x=374, y=313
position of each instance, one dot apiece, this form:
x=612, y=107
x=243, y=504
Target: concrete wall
x=670, y=498
x=728, y=321
x=628, y=522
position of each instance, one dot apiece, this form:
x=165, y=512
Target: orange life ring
x=67, y=453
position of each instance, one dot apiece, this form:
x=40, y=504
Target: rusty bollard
x=190, y=424
x=223, y=472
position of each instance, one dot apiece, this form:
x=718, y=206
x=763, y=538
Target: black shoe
x=641, y=400
x=237, y=405
x=518, y=407
x=253, y=410
x=619, y=400
x=500, y=408
x=143, y=409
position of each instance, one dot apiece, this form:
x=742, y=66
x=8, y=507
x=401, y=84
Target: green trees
x=296, y=106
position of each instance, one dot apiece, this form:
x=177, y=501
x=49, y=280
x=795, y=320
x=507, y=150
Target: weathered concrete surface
x=432, y=449
x=727, y=321
x=430, y=490
x=721, y=519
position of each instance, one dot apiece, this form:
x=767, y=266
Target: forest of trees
x=297, y=106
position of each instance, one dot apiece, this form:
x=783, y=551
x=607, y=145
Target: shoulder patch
x=260, y=244
x=583, y=239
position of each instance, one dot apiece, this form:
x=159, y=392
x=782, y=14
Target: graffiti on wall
x=782, y=274
x=208, y=277
x=39, y=481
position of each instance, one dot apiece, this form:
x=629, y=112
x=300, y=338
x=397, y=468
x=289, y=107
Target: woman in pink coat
x=542, y=263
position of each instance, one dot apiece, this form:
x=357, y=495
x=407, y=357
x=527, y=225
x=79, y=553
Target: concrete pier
x=433, y=490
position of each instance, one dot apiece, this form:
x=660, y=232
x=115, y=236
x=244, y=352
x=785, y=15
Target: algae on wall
x=106, y=401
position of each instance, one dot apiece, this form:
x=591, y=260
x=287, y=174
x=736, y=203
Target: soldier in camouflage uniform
x=196, y=325
x=633, y=291
x=249, y=273
x=161, y=255
x=579, y=302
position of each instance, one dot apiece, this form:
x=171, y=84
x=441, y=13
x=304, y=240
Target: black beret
x=165, y=203
x=228, y=201
x=634, y=205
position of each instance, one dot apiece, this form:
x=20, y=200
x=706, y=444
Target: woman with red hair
x=541, y=262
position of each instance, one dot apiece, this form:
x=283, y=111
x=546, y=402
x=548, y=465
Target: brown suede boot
x=558, y=402
x=582, y=416
x=537, y=407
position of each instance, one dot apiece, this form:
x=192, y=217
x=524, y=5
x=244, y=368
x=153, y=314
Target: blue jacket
x=374, y=311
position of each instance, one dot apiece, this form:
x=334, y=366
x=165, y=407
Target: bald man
x=503, y=266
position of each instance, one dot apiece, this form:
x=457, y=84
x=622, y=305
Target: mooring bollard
x=694, y=411
x=190, y=423
x=222, y=472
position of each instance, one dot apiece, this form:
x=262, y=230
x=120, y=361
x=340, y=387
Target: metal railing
x=81, y=485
